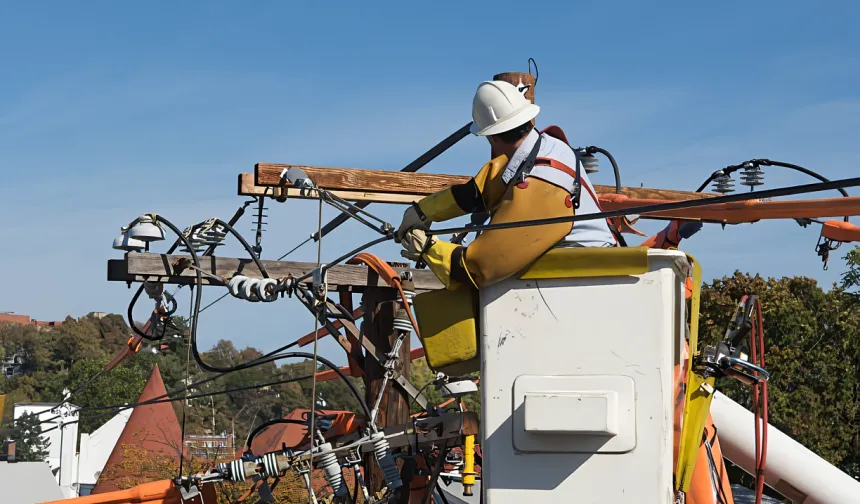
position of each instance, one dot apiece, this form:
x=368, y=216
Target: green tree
x=30, y=446
x=812, y=349
x=851, y=278
x=422, y=377
x=121, y=385
x=33, y=345
x=76, y=340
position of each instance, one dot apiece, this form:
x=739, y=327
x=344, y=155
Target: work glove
x=413, y=243
x=412, y=219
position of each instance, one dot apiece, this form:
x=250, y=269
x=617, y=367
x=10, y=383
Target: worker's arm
x=500, y=253
x=476, y=195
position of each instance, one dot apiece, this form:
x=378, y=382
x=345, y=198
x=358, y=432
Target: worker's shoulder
x=556, y=148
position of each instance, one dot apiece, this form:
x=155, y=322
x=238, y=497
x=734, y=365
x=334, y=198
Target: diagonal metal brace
x=371, y=349
x=414, y=393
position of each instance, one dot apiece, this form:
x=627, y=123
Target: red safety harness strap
x=558, y=165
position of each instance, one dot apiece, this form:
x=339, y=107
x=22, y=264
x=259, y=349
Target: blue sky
x=110, y=109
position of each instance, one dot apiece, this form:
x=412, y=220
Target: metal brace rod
x=353, y=210
x=371, y=349
x=414, y=393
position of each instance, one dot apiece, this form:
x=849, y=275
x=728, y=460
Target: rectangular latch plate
x=591, y=413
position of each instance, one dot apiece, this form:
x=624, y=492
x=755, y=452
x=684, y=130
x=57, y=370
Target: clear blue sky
x=110, y=109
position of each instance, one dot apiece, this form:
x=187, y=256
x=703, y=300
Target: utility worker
x=532, y=175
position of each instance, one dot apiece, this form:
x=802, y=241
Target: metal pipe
x=792, y=469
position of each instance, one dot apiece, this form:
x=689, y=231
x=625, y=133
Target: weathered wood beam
x=408, y=186
x=137, y=267
x=247, y=188
x=730, y=213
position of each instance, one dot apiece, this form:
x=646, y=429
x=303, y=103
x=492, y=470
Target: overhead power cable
x=723, y=176
x=286, y=355
x=317, y=317
x=661, y=207
x=412, y=167
x=116, y=408
x=254, y=362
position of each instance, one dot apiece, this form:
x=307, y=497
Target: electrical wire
x=114, y=409
x=270, y=423
x=317, y=317
x=661, y=207
x=295, y=248
x=348, y=255
x=195, y=259
x=187, y=377
x=722, y=491
x=198, y=292
x=209, y=251
x=767, y=162
x=591, y=149
x=193, y=335
x=412, y=167
x=245, y=244
x=89, y=381
x=760, y=407
x=537, y=73
x=255, y=362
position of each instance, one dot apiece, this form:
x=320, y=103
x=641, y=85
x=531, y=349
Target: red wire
x=388, y=274
x=759, y=402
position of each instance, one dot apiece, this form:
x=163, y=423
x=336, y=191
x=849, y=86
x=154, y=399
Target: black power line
x=114, y=409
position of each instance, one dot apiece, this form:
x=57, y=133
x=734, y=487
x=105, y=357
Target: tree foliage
x=422, y=377
x=30, y=445
x=812, y=350
x=851, y=277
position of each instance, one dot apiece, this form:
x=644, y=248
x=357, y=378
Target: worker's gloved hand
x=413, y=243
x=412, y=219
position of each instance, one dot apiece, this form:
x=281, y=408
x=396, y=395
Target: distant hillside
x=67, y=356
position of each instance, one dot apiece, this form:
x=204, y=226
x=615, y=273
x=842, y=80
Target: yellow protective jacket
x=500, y=253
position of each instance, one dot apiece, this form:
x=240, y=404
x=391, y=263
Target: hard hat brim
x=508, y=123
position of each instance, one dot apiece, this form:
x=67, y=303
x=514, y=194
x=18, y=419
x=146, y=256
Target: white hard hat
x=499, y=106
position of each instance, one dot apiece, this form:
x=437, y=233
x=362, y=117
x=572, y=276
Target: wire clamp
x=287, y=286
x=823, y=249
x=320, y=285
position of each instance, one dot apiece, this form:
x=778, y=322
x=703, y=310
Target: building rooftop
x=151, y=432
x=27, y=482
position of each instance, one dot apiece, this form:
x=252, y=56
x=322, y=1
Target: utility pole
x=233, y=427
x=213, y=415
x=523, y=80
x=380, y=305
